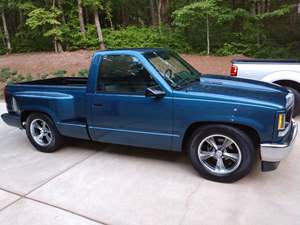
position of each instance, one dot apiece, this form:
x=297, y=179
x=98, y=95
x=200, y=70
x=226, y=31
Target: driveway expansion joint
x=25, y=196
x=187, y=202
x=60, y=173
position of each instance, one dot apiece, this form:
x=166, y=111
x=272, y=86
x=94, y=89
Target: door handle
x=98, y=105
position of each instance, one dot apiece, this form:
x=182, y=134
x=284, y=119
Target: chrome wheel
x=219, y=154
x=40, y=132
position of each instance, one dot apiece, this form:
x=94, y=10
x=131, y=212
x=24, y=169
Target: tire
x=296, y=93
x=238, y=158
x=44, y=138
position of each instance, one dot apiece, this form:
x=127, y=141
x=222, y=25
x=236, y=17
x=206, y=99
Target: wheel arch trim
x=250, y=131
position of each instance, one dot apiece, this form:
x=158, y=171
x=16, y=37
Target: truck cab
x=152, y=98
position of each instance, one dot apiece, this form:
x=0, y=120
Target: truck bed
x=63, y=98
x=59, y=81
x=265, y=61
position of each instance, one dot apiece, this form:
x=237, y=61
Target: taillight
x=233, y=71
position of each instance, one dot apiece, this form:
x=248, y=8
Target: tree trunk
x=59, y=47
x=99, y=30
x=159, y=7
x=3, y=38
x=59, y=3
x=111, y=23
x=80, y=16
x=125, y=17
x=152, y=13
x=6, y=33
x=21, y=17
x=55, y=45
x=207, y=35
x=86, y=15
x=164, y=9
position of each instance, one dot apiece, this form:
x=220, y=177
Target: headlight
x=290, y=98
x=281, y=121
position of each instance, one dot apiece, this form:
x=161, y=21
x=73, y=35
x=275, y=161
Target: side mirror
x=151, y=92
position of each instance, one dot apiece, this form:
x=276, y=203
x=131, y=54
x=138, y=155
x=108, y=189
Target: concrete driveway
x=91, y=183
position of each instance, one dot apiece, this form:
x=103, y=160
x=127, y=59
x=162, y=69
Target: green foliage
x=235, y=27
x=142, y=37
x=78, y=40
x=93, y=3
x=29, y=40
x=44, y=76
x=83, y=73
x=60, y=73
x=7, y=75
x=12, y=76
x=4, y=74
x=47, y=20
x=28, y=77
x=18, y=78
x=232, y=49
x=41, y=17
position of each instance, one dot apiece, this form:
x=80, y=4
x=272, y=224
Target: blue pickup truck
x=152, y=98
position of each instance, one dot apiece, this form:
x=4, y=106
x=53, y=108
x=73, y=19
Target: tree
x=153, y=13
x=96, y=5
x=6, y=33
x=200, y=14
x=80, y=16
x=162, y=7
x=251, y=27
x=4, y=6
x=48, y=21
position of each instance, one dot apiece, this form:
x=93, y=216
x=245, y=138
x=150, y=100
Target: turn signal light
x=233, y=71
x=281, y=121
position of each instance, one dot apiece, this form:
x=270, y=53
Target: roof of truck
x=142, y=50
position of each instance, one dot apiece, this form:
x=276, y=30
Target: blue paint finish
x=77, y=130
x=161, y=123
x=146, y=118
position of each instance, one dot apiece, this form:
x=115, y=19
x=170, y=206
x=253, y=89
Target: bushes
x=144, y=37
x=12, y=76
x=129, y=37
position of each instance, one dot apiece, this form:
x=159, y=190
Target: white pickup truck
x=282, y=72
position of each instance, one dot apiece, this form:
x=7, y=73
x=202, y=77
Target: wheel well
x=25, y=114
x=252, y=133
x=289, y=83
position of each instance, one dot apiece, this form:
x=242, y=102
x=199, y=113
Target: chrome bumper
x=277, y=152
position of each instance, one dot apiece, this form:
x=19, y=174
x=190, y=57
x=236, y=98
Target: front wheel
x=221, y=153
x=42, y=133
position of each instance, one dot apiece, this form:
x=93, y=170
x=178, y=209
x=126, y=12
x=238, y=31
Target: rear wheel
x=297, y=101
x=221, y=153
x=42, y=133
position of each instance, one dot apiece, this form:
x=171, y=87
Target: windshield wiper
x=184, y=83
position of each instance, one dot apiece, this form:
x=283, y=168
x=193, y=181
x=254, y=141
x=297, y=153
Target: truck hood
x=239, y=89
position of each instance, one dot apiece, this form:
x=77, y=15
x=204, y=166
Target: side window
x=123, y=74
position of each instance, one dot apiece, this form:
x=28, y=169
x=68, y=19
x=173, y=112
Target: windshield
x=172, y=68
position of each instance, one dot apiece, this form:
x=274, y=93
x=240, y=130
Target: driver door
x=122, y=114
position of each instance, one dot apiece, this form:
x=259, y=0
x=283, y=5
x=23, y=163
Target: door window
x=123, y=74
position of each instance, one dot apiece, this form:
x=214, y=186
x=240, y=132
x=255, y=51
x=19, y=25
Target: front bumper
x=12, y=119
x=273, y=153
